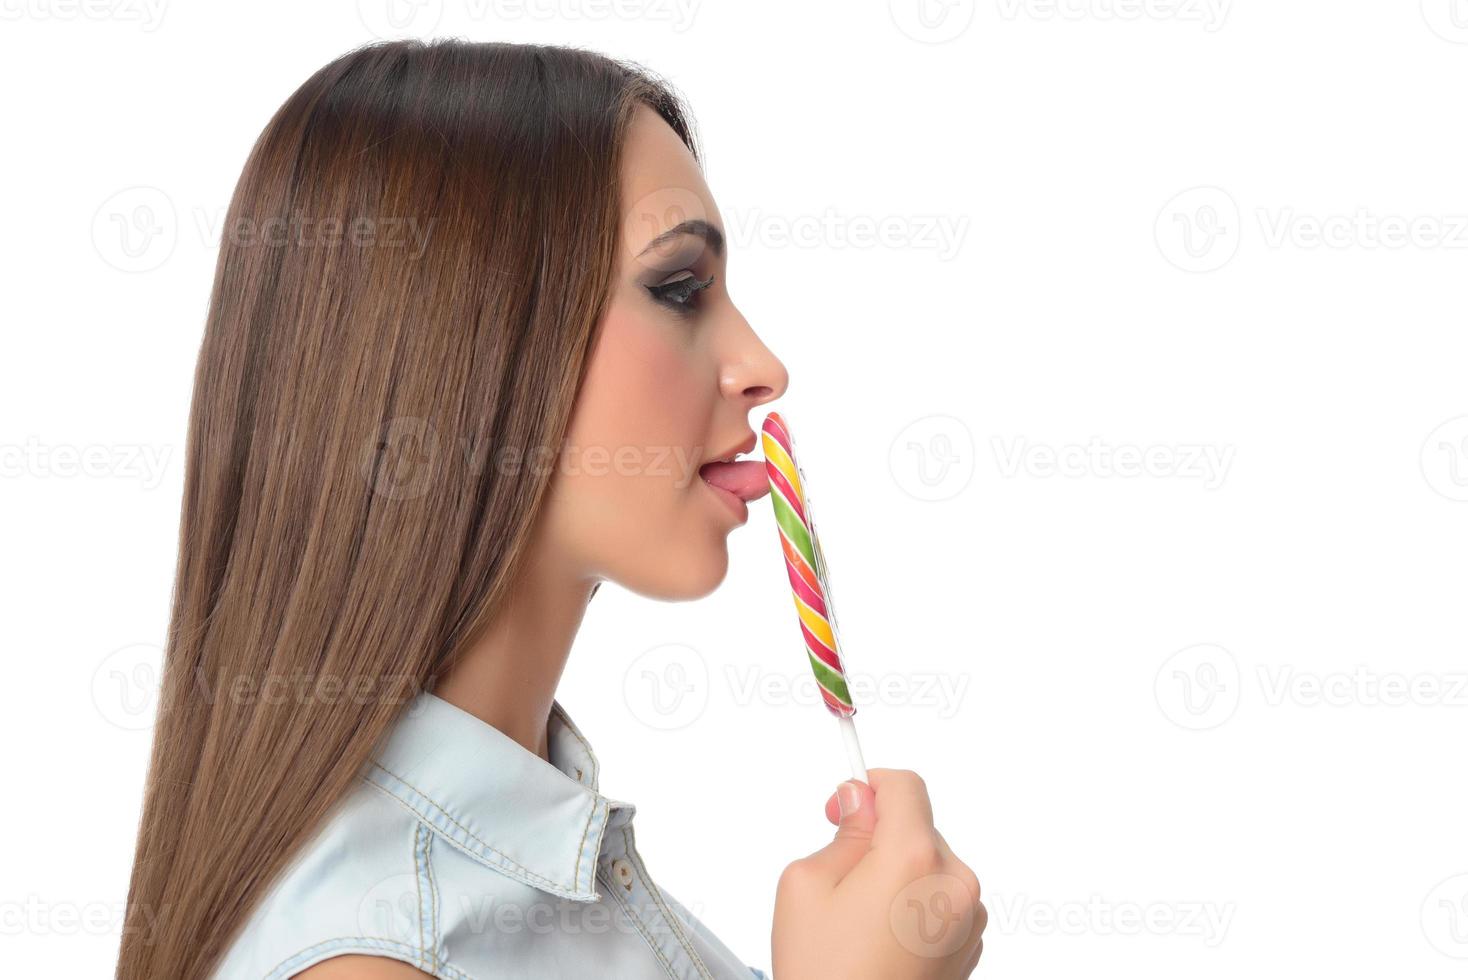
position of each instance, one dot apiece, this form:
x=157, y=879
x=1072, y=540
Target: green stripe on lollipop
x=829, y=679
x=790, y=523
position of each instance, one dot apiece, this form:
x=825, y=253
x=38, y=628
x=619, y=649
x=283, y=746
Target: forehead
x=662, y=184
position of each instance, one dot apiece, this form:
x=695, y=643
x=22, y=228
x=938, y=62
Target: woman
x=469, y=353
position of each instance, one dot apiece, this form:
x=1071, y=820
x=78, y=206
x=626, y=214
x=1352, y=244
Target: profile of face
x=674, y=374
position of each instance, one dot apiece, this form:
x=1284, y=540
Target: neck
x=508, y=678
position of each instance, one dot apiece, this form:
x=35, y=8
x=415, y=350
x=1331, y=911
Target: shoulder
x=349, y=899
x=358, y=967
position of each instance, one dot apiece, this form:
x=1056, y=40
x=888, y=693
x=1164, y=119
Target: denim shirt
x=469, y=857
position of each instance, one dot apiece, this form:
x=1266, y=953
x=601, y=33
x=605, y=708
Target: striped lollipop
x=805, y=564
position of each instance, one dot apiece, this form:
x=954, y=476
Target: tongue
x=745, y=479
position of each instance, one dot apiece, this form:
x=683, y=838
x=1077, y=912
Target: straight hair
x=415, y=259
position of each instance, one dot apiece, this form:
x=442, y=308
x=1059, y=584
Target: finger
x=833, y=810
x=972, y=963
x=903, y=809
x=858, y=816
x=962, y=871
x=981, y=922
x=973, y=947
x=856, y=806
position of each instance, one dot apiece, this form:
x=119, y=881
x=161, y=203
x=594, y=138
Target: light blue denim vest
x=469, y=857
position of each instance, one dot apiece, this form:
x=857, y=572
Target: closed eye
x=678, y=294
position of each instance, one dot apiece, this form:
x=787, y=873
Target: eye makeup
x=677, y=294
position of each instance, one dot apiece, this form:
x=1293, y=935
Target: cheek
x=639, y=517
x=641, y=389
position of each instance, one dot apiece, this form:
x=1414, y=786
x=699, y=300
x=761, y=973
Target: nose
x=754, y=375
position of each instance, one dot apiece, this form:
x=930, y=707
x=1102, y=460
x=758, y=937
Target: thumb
x=853, y=807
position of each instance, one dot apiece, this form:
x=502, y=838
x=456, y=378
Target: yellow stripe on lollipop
x=816, y=623
x=775, y=453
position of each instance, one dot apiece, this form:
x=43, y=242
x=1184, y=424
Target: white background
x=975, y=236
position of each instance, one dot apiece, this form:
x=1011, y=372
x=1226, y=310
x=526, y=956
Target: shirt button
x=622, y=871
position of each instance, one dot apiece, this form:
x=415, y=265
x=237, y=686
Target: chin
x=680, y=577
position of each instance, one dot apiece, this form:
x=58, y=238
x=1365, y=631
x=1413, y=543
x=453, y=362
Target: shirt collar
x=536, y=822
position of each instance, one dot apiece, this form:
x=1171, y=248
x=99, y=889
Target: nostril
x=759, y=391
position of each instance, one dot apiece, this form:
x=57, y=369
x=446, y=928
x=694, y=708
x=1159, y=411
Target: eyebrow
x=698, y=227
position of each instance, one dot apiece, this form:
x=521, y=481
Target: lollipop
x=809, y=580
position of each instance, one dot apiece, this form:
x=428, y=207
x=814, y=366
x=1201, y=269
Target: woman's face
x=673, y=376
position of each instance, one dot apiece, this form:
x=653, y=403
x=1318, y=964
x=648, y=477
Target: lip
x=738, y=507
x=745, y=445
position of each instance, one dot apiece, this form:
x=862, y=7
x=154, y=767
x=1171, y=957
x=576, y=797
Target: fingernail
x=848, y=798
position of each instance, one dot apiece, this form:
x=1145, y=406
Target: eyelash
x=679, y=293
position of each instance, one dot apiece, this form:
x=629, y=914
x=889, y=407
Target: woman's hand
x=885, y=900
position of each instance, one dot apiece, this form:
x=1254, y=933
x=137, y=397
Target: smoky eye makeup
x=678, y=293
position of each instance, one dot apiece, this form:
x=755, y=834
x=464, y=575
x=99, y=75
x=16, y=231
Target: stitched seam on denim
x=356, y=944
x=418, y=890
x=465, y=830
x=422, y=834
x=362, y=944
x=454, y=972
x=657, y=897
x=652, y=889
x=581, y=848
x=514, y=871
x=432, y=895
x=432, y=891
x=511, y=869
x=586, y=746
x=637, y=924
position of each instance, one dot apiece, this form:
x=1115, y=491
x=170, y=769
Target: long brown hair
x=412, y=268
